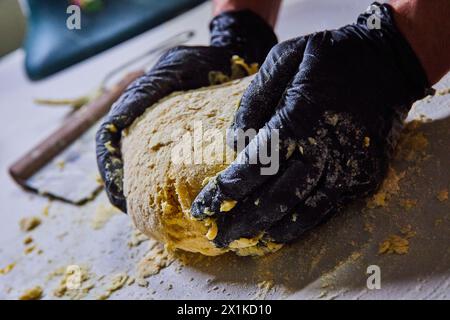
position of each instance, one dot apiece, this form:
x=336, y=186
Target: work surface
x=405, y=232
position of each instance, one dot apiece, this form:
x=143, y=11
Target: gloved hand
x=337, y=100
x=241, y=33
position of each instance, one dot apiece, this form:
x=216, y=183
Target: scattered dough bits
x=103, y=213
x=412, y=144
x=111, y=128
x=7, y=269
x=239, y=69
x=136, y=238
x=264, y=288
x=389, y=188
x=26, y=225
x=117, y=283
x=109, y=147
x=442, y=195
x=412, y=147
x=157, y=258
x=27, y=240
x=212, y=232
x=443, y=92
x=408, y=232
x=29, y=223
x=46, y=209
x=99, y=179
x=61, y=164
x=168, y=153
x=394, y=244
x=29, y=249
x=397, y=244
x=408, y=204
x=34, y=293
x=75, y=283
x=227, y=205
x=369, y=227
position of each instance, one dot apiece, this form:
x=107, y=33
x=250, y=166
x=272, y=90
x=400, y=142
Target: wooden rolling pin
x=71, y=129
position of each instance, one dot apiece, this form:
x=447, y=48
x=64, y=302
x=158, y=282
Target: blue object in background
x=50, y=46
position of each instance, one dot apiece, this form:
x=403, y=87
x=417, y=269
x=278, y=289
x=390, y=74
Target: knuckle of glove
x=188, y=67
x=356, y=160
x=245, y=33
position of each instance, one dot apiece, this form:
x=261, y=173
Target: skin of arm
x=426, y=26
x=266, y=9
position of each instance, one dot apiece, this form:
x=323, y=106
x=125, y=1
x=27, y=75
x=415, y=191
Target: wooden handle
x=72, y=128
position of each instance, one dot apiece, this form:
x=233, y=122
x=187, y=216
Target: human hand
x=240, y=33
x=336, y=100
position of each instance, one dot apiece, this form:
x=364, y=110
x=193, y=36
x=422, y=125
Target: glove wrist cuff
x=245, y=33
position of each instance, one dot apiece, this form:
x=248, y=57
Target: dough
x=160, y=186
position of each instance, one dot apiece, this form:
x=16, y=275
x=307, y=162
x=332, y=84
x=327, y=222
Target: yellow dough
x=159, y=181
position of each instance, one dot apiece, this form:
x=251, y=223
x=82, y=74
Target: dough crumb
x=244, y=243
x=389, y=188
x=408, y=232
x=98, y=179
x=34, y=293
x=29, y=249
x=46, y=210
x=29, y=223
x=239, y=69
x=443, y=92
x=157, y=258
x=212, y=231
x=408, y=203
x=137, y=237
x=442, y=195
x=27, y=240
x=61, y=164
x=75, y=283
x=111, y=128
x=103, y=213
x=142, y=283
x=264, y=288
x=131, y=281
x=7, y=269
x=355, y=255
x=369, y=227
x=227, y=205
x=109, y=147
x=412, y=143
x=117, y=283
x=394, y=244
x=397, y=244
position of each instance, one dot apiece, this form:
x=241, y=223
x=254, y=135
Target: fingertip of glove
x=197, y=209
x=245, y=30
x=208, y=202
x=118, y=202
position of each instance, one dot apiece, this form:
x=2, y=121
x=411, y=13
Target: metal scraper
x=63, y=166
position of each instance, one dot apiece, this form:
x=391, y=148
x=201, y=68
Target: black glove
x=338, y=100
x=241, y=33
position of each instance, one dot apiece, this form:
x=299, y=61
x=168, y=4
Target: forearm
x=426, y=26
x=266, y=9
